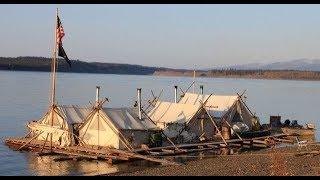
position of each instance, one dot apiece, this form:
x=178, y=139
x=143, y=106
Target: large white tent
x=118, y=128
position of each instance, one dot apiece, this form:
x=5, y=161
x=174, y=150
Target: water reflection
x=47, y=166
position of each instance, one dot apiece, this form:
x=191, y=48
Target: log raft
x=116, y=156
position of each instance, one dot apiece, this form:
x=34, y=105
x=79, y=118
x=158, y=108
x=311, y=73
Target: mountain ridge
x=296, y=64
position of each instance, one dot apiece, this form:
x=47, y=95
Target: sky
x=166, y=35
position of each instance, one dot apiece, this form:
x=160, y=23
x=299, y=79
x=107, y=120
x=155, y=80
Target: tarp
x=74, y=114
x=126, y=118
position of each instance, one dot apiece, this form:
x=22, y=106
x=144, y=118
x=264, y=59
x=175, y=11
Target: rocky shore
x=285, y=161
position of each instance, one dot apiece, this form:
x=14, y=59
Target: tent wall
x=200, y=126
x=239, y=113
x=63, y=139
x=99, y=131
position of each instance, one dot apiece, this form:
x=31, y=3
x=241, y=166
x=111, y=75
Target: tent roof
x=126, y=118
x=173, y=112
x=217, y=105
x=74, y=114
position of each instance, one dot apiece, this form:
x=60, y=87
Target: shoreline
x=281, y=161
x=162, y=75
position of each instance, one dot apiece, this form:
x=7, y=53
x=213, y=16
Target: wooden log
x=247, y=142
x=222, y=145
x=212, y=146
x=168, y=150
x=235, y=145
x=191, y=145
x=260, y=145
x=255, y=141
x=246, y=146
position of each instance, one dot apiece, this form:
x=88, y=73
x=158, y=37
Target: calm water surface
x=25, y=97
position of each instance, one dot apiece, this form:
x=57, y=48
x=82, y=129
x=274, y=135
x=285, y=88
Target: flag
x=60, y=34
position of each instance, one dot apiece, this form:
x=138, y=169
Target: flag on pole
x=60, y=35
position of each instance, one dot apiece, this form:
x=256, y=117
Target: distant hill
x=44, y=64
x=299, y=64
x=297, y=69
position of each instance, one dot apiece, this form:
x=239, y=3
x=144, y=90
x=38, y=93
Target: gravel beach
x=283, y=161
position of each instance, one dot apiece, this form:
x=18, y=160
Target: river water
x=25, y=97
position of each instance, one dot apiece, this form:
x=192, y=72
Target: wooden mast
x=53, y=77
x=54, y=63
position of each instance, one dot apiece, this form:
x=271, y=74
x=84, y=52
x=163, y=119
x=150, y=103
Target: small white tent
x=58, y=122
x=118, y=128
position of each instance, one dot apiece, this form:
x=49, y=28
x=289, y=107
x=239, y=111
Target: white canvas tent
x=231, y=108
x=59, y=122
x=118, y=128
x=173, y=117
